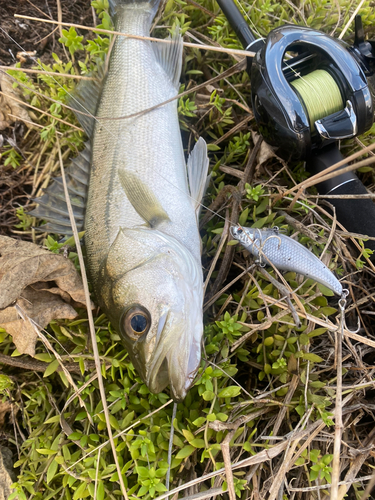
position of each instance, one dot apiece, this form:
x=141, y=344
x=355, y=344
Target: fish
x=269, y=246
x=138, y=203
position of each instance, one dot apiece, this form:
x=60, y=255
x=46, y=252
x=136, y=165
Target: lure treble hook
x=342, y=306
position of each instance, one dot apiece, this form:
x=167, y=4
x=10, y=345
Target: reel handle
x=356, y=215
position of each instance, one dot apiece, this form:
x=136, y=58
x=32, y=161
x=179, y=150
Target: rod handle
x=356, y=215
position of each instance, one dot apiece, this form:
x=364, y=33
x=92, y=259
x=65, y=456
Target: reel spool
x=317, y=97
x=319, y=94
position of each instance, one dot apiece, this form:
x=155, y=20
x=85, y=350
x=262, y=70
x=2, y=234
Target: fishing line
x=320, y=94
x=322, y=86
x=250, y=20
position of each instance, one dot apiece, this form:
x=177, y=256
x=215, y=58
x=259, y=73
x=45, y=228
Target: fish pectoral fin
x=142, y=198
x=169, y=56
x=197, y=167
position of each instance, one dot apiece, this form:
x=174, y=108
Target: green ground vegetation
x=251, y=392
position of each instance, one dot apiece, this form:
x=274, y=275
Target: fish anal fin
x=169, y=57
x=197, y=167
x=142, y=198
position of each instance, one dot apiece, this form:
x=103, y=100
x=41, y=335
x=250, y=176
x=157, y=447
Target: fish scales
x=149, y=145
x=144, y=155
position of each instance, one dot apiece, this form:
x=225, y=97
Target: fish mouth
x=157, y=381
x=176, y=360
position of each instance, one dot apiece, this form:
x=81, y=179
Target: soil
x=40, y=39
x=22, y=35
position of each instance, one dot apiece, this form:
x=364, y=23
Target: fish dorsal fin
x=85, y=99
x=52, y=206
x=197, y=167
x=169, y=56
x=142, y=198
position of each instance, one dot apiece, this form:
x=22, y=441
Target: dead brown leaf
x=5, y=407
x=9, y=106
x=7, y=476
x=23, y=263
x=43, y=284
x=266, y=151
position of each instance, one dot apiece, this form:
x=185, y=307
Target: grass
x=263, y=402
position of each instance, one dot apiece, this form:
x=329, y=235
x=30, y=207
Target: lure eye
x=136, y=322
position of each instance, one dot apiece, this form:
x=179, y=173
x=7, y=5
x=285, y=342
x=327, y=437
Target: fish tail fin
x=115, y=5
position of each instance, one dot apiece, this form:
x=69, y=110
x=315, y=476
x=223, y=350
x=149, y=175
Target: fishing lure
x=271, y=247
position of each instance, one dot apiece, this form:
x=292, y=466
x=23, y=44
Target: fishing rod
x=305, y=105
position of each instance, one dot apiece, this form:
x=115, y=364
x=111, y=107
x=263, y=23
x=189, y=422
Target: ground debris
x=266, y=151
x=10, y=108
x=44, y=285
x=6, y=473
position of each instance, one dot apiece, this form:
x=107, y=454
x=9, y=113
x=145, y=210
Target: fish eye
x=239, y=231
x=136, y=321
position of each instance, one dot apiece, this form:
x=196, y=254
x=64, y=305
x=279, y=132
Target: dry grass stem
x=315, y=179
x=41, y=111
x=328, y=486
x=213, y=48
x=91, y=323
x=119, y=434
x=276, y=359
x=225, y=449
x=260, y=457
x=351, y=19
x=43, y=71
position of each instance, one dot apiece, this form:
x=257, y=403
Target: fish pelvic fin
x=142, y=198
x=116, y=5
x=197, y=167
x=52, y=205
x=169, y=57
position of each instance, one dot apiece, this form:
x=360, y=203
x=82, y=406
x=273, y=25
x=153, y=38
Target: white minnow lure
x=286, y=254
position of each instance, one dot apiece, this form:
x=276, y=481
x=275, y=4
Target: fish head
x=153, y=296
x=242, y=234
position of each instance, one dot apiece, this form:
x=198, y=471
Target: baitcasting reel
x=309, y=91
x=318, y=96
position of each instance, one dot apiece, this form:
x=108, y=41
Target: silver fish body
x=271, y=247
x=143, y=244
x=140, y=221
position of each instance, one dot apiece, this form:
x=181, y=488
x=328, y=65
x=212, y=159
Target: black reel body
x=280, y=111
